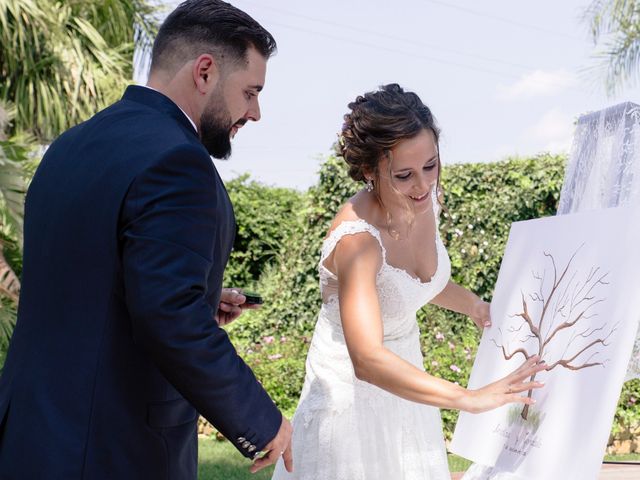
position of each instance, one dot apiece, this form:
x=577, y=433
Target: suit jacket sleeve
x=168, y=226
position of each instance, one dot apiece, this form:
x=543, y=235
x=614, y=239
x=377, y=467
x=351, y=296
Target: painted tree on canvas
x=561, y=313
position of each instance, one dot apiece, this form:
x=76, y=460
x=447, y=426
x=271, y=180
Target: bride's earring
x=369, y=185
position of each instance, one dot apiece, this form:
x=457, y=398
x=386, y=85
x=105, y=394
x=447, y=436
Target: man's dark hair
x=208, y=26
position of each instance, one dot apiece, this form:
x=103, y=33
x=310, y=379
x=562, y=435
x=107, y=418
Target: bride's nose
x=422, y=182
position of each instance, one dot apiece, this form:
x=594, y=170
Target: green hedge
x=264, y=218
x=481, y=200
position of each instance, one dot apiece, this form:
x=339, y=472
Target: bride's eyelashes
x=407, y=175
x=403, y=176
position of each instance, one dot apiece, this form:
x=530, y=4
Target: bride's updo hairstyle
x=376, y=123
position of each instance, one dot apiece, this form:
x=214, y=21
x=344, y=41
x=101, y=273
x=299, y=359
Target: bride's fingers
x=536, y=369
x=526, y=366
x=530, y=363
x=530, y=367
x=523, y=387
x=521, y=399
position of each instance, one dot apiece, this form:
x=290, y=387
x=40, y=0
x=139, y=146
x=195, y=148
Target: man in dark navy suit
x=128, y=229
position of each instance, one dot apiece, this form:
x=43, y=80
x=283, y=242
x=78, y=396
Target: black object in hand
x=252, y=298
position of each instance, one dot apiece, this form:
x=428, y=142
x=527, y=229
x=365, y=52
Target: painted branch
x=508, y=356
x=527, y=318
x=569, y=360
x=565, y=364
x=525, y=410
x=571, y=323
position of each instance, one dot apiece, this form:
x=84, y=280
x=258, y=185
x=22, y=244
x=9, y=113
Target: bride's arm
x=459, y=299
x=357, y=259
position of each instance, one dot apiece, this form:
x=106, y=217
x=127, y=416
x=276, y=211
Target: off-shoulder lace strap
x=350, y=227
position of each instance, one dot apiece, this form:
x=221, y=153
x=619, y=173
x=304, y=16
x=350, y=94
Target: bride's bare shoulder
x=356, y=208
x=362, y=246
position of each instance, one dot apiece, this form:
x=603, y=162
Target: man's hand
x=280, y=446
x=232, y=304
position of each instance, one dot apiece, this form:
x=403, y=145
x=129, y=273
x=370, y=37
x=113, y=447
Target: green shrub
x=290, y=284
x=449, y=344
x=627, y=417
x=265, y=218
x=482, y=201
x=278, y=362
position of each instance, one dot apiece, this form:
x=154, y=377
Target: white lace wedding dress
x=347, y=429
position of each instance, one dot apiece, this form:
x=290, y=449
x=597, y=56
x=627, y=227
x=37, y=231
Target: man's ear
x=206, y=73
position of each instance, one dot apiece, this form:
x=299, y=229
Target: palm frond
x=615, y=29
x=62, y=62
x=13, y=186
x=8, y=317
x=9, y=283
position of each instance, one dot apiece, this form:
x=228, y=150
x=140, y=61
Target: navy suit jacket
x=128, y=229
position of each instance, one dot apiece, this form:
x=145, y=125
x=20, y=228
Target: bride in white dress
x=368, y=410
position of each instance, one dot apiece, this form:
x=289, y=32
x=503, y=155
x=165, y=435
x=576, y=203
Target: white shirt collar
x=185, y=113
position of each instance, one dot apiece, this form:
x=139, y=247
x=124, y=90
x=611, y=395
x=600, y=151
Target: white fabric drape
x=604, y=171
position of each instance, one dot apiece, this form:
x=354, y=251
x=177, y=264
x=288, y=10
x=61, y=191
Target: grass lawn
x=629, y=457
x=220, y=460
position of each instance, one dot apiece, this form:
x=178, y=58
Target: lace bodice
x=400, y=294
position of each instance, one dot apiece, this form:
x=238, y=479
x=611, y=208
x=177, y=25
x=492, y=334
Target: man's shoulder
x=137, y=117
x=142, y=128
x=127, y=134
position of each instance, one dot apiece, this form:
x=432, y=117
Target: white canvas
x=593, y=312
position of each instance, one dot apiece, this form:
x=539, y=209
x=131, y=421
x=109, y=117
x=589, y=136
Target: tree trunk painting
x=562, y=303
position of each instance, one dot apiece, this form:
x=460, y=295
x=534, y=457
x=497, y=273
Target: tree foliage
x=60, y=62
x=615, y=28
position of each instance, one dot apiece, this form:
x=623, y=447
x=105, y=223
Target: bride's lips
x=419, y=198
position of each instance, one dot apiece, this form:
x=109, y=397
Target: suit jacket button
x=246, y=444
x=241, y=439
x=251, y=449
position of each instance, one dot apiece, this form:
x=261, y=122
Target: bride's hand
x=507, y=389
x=481, y=314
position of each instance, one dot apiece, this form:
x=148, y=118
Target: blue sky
x=502, y=78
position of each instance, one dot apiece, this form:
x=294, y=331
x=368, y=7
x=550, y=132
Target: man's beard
x=215, y=127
